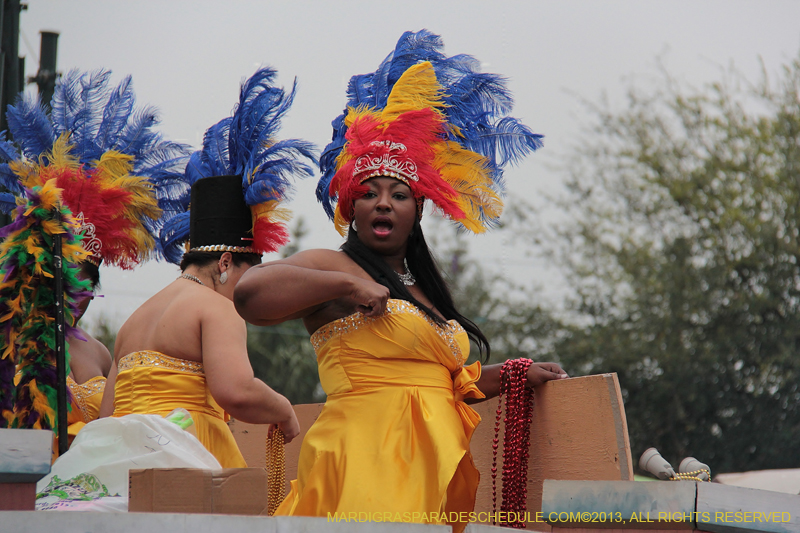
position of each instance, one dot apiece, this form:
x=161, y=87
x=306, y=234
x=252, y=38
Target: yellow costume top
x=153, y=383
x=86, y=398
x=84, y=405
x=393, y=437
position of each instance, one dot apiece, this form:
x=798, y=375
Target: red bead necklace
x=516, y=440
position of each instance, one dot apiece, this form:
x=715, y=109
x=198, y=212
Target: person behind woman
x=109, y=164
x=90, y=362
x=186, y=346
x=391, y=346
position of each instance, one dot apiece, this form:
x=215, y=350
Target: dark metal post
x=12, y=67
x=46, y=77
x=61, y=352
x=10, y=45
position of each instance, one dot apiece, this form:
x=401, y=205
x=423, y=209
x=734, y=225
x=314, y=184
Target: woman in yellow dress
x=90, y=362
x=186, y=346
x=392, y=442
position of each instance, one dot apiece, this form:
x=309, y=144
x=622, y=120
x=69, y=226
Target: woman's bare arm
x=296, y=287
x=230, y=376
x=538, y=373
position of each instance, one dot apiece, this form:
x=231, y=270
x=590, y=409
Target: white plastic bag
x=109, y=447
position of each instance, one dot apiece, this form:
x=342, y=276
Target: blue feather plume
x=116, y=113
x=8, y=180
x=476, y=103
x=245, y=144
x=173, y=235
x=7, y=202
x=8, y=152
x=30, y=126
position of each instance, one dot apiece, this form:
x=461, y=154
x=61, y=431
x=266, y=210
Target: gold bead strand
x=276, y=470
x=691, y=476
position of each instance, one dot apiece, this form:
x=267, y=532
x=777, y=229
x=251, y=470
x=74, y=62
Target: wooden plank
x=252, y=439
x=578, y=432
x=728, y=509
x=620, y=504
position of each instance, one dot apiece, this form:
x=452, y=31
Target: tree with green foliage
x=508, y=313
x=681, y=242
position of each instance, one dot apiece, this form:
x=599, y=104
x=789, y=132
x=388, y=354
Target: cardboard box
x=192, y=490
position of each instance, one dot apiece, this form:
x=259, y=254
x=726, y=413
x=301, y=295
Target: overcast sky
x=188, y=58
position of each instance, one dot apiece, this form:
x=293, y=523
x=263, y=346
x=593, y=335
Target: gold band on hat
x=224, y=248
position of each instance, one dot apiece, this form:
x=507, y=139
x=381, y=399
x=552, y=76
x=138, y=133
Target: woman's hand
x=290, y=428
x=369, y=297
x=539, y=373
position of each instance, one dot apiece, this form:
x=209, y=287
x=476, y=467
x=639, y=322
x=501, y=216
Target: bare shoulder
x=212, y=306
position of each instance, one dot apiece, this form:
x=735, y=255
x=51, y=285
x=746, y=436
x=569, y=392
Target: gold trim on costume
x=82, y=391
x=150, y=358
x=356, y=320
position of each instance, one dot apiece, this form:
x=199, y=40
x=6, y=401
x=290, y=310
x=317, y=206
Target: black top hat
x=220, y=220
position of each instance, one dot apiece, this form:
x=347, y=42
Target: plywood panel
x=578, y=431
x=252, y=439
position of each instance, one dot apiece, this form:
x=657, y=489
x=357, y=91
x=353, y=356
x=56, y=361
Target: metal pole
x=46, y=77
x=10, y=44
x=61, y=352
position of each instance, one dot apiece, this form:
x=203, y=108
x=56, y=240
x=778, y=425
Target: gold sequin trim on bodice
x=341, y=326
x=149, y=358
x=82, y=391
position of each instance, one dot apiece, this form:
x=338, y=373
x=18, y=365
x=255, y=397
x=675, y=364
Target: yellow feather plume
x=271, y=211
x=339, y=222
x=40, y=403
x=61, y=154
x=468, y=174
x=416, y=89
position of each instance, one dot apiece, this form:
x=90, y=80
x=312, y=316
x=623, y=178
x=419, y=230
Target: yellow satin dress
x=152, y=383
x=84, y=405
x=86, y=398
x=392, y=441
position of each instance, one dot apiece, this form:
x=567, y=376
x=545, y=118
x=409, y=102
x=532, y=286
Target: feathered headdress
x=434, y=123
x=94, y=171
x=28, y=302
x=245, y=145
x=119, y=178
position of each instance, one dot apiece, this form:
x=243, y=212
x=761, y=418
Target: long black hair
x=423, y=266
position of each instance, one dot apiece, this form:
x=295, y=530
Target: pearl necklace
x=193, y=278
x=407, y=278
